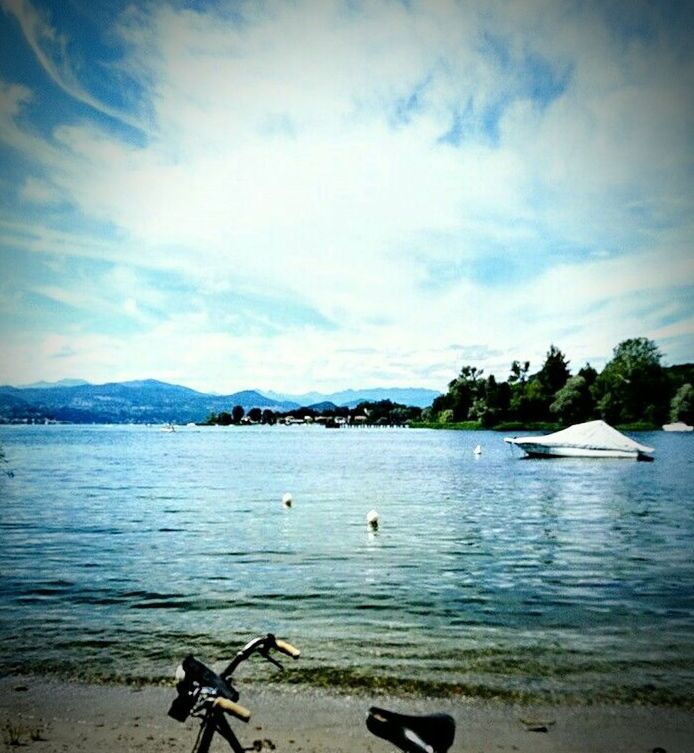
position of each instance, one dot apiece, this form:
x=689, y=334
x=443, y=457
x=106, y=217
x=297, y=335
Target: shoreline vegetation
x=634, y=392
x=346, y=681
x=360, y=682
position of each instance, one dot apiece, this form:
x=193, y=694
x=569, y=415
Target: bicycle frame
x=213, y=723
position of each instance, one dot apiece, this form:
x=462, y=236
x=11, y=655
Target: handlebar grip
x=287, y=648
x=235, y=709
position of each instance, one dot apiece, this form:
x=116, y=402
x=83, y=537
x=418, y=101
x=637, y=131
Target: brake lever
x=272, y=660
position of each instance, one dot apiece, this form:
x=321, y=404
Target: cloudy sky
x=330, y=194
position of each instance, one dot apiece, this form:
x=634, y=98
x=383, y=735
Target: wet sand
x=46, y=715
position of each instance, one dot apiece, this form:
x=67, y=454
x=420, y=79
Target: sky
x=321, y=195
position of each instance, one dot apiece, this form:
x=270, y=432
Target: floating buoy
x=478, y=450
x=287, y=499
x=372, y=520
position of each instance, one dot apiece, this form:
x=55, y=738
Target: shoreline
x=45, y=714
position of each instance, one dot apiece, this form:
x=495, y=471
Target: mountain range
x=419, y=397
x=151, y=401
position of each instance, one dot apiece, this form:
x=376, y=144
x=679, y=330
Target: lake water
x=123, y=548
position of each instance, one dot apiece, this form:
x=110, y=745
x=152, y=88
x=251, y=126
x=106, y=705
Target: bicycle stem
x=262, y=644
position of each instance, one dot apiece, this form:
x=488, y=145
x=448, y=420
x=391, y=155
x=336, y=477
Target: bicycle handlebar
x=287, y=648
x=235, y=709
x=199, y=685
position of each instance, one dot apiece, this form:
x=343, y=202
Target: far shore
x=45, y=714
x=508, y=426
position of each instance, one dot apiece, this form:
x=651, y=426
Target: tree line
x=367, y=413
x=634, y=388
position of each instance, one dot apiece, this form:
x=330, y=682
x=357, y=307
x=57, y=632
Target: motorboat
x=678, y=426
x=592, y=439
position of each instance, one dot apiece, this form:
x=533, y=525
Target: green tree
x=400, y=415
x=237, y=413
x=573, y=403
x=438, y=406
x=554, y=372
x=517, y=381
x=633, y=386
x=589, y=374
x=529, y=402
x=224, y=418
x=255, y=414
x=682, y=405
x=386, y=412
x=531, y=397
x=464, y=390
x=491, y=401
x=519, y=372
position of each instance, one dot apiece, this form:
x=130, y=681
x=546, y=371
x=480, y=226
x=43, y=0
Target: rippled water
x=122, y=548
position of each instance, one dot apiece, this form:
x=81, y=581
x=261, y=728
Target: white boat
x=679, y=426
x=592, y=439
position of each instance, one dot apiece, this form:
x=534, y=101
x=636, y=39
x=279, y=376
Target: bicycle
x=204, y=694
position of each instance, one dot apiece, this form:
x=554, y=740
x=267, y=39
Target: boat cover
x=591, y=435
x=679, y=426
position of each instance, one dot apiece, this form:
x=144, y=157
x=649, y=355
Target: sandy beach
x=43, y=715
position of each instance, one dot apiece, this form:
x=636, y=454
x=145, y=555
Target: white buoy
x=478, y=450
x=372, y=520
x=287, y=499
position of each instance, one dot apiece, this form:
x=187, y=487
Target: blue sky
x=322, y=195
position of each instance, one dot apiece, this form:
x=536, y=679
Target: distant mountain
x=151, y=401
x=421, y=398
x=147, y=401
x=60, y=383
x=322, y=407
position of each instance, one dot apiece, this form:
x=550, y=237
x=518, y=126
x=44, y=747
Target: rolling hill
x=152, y=401
x=147, y=401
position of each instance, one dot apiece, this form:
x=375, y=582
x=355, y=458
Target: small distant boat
x=168, y=428
x=678, y=426
x=592, y=439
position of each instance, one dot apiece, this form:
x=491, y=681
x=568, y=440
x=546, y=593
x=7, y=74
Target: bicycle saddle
x=430, y=733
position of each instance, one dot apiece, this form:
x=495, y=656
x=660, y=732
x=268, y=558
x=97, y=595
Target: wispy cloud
x=51, y=50
x=422, y=183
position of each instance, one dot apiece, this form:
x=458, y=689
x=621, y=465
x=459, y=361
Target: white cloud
x=39, y=191
x=299, y=154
